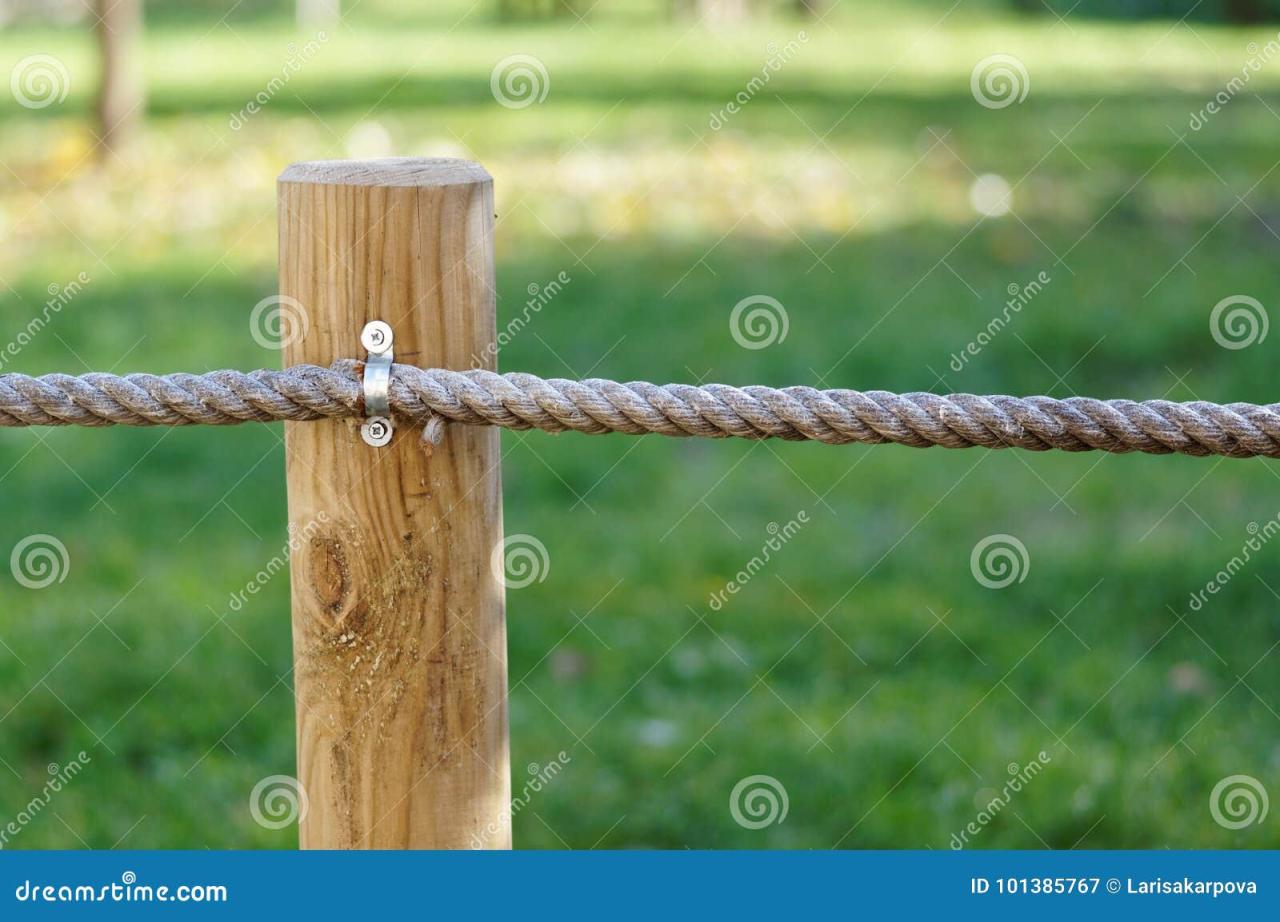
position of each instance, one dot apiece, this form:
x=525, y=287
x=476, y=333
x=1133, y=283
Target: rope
x=522, y=401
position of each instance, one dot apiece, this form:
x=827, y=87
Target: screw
x=376, y=336
x=376, y=431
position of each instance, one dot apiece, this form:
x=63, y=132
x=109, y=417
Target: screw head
x=376, y=336
x=376, y=431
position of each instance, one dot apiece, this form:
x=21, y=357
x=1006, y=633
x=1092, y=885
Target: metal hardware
x=376, y=431
x=378, y=338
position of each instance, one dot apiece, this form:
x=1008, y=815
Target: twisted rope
x=522, y=401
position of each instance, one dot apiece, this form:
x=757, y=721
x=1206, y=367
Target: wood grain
x=398, y=622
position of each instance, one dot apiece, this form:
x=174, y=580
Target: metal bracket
x=378, y=339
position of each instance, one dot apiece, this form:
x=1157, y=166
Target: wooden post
x=399, y=627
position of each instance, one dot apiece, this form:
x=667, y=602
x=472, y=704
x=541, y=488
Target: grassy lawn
x=865, y=668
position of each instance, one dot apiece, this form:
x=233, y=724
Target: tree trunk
x=1245, y=12
x=711, y=12
x=319, y=12
x=121, y=92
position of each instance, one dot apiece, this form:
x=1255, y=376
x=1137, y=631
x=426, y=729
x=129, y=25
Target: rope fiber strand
x=523, y=401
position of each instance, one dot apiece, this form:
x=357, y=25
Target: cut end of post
x=390, y=171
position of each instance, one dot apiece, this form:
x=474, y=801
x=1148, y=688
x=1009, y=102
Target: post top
x=388, y=171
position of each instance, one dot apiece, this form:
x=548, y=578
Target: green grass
x=842, y=191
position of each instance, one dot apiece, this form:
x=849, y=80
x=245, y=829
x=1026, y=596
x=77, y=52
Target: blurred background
x=995, y=197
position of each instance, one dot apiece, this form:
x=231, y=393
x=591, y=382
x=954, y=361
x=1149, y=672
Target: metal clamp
x=377, y=338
